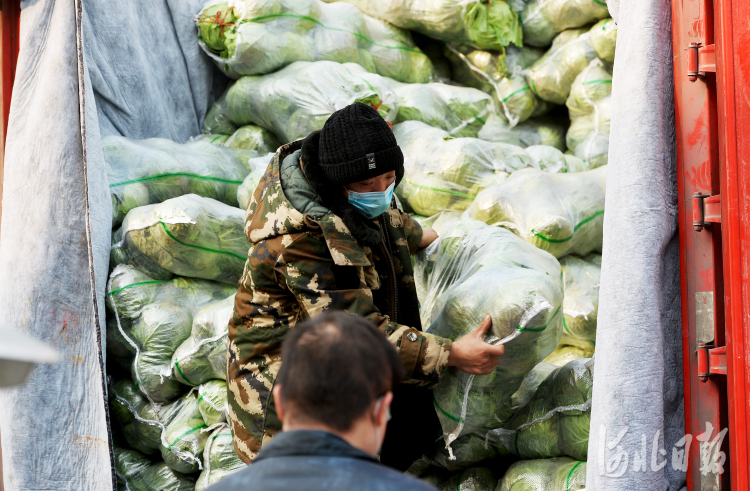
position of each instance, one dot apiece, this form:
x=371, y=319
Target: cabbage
x=500, y=75
x=473, y=270
x=153, y=318
x=187, y=236
x=560, y=213
x=555, y=421
x=219, y=458
x=182, y=440
x=461, y=111
x=299, y=98
x=252, y=137
x=258, y=167
x=442, y=173
x=212, y=402
x=136, y=473
x=561, y=474
x=487, y=24
x=203, y=355
x=589, y=106
x=472, y=479
x=267, y=35
x=552, y=76
x=581, y=304
x=542, y=19
x=565, y=353
x=143, y=172
x=530, y=132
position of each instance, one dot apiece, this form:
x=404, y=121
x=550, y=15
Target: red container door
x=712, y=109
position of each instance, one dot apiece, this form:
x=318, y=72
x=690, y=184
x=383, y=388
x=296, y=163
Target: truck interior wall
x=85, y=69
x=638, y=392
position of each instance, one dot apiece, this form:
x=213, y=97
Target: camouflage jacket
x=303, y=262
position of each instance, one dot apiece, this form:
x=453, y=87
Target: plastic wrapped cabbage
x=135, y=472
x=267, y=35
x=555, y=422
x=154, y=317
x=474, y=270
x=565, y=353
x=219, y=458
x=531, y=132
x=461, y=111
x=253, y=137
x=472, y=479
x=581, y=305
x=143, y=172
x=590, y=114
x=561, y=474
x=487, y=24
x=470, y=450
x=203, y=356
x=560, y=213
x=212, y=402
x=299, y=98
x=143, y=424
x=500, y=75
x=258, y=167
x=219, y=140
x=442, y=173
x=186, y=236
x=552, y=76
x=543, y=19
x=183, y=440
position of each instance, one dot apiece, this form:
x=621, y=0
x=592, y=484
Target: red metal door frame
x=10, y=19
x=712, y=115
x=733, y=79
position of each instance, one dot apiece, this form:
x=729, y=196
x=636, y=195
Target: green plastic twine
x=141, y=283
x=194, y=246
x=167, y=175
x=188, y=432
x=570, y=475
x=580, y=224
x=179, y=370
x=598, y=81
x=522, y=89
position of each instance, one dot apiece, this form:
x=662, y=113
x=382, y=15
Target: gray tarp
x=130, y=68
x=638, y=383
x=133, y=68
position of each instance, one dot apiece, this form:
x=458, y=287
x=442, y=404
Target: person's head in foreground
x=332, y=395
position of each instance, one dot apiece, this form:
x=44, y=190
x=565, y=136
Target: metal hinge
x=711, y=361
x=706, y=210
x=701, y=60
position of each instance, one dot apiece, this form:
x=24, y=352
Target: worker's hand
x=471, y=354
x=428, y=237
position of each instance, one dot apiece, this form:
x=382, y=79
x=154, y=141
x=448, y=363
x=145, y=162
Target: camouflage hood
x=285, y=203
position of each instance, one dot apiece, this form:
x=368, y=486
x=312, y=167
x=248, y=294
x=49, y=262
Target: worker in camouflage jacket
x=325, y=233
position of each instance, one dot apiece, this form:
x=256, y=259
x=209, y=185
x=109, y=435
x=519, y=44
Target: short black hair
x=334, y=366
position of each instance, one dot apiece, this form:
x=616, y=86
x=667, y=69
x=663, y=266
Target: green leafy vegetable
x=543, y=19
x=219, y=458
x=472, y=479
x=581, y=279
x=212, y=401
x=560, y=474
x=143, y=172
x=299, y=98
x=590, y=114
x=187, y=236
x=136, y=473
x=566, y=353
x=266, y=35
x=183, y=441
x=526, y=134
x=559, y=213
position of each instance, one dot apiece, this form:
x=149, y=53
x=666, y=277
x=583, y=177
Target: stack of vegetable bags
x=474, y=270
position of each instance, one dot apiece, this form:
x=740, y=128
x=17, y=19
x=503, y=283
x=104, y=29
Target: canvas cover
x=91, y=68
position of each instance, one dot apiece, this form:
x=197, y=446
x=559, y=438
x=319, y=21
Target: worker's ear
x=382, y=410
x=277, y=402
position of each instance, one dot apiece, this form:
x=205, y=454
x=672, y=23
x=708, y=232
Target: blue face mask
x=372, y=205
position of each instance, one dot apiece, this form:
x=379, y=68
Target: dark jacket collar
x=310, y=442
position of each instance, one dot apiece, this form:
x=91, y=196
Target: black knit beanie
x=355, y=144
